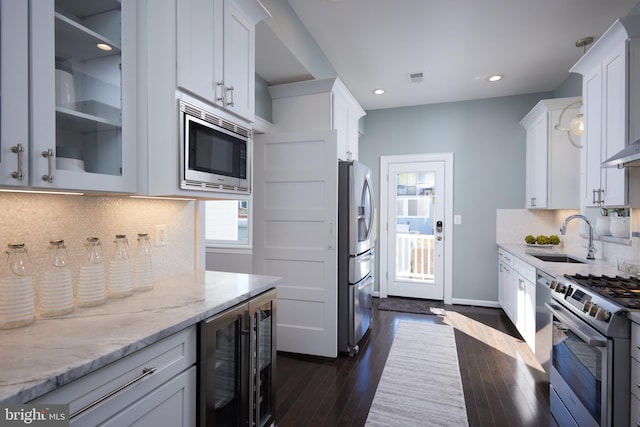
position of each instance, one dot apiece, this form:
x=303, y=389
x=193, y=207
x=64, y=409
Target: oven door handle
x=593, y=340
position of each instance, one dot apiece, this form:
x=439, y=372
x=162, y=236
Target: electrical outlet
x=161, y=235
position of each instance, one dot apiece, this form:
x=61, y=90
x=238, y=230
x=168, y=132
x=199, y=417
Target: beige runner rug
x=420, y=383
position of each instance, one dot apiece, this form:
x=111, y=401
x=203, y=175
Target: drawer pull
x=145, y=373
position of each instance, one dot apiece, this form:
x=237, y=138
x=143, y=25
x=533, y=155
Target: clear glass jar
x=17, y=299
x=55, y=293
x=92, y=287
x=120, y=278
x=142, y=267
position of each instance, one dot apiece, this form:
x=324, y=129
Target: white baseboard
x=461, y=301
x=476, y=302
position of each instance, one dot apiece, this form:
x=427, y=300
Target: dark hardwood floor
x=503, y=384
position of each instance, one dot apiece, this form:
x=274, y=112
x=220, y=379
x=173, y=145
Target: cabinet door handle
x=231, y=103
x=19, y=150
x=220, y=85
x=48, y=154
x=145, y=373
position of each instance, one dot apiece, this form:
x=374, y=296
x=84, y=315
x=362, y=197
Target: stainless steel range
x=590, y=360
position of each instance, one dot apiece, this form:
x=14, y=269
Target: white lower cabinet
x=517, y=294
x=151, y=387
x=506, y=289
x=172, y=404
x=526, y=310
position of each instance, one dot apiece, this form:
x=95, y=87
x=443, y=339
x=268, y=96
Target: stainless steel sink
x=559, y=258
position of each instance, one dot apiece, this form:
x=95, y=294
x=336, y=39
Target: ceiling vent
x=416, y=77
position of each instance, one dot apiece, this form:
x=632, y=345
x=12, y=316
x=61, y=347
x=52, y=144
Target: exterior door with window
x=415, y=229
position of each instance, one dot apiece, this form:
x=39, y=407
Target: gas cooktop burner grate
x=623, y=290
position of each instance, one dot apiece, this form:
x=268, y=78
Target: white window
x=227, y=223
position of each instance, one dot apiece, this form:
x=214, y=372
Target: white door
x=295, y=216
x=415, y=230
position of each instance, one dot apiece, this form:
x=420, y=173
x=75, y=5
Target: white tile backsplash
x=512, y=225
x=35, y=219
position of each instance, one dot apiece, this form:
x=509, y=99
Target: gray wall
x=489, y=171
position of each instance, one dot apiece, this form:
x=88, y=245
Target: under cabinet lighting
x=495, y=77
x=104, y=46
x=188, y=199
x=64, y=193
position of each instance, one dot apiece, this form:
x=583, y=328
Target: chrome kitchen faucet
x=591, y=250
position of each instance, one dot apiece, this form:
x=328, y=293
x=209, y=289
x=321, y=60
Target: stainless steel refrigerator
x=356, y=254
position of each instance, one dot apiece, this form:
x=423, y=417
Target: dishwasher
x=543, y=320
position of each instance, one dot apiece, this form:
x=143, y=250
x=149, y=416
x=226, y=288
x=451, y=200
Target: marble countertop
x=596, y=267
x=52, y=352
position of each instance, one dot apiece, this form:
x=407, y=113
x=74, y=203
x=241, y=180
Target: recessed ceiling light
x=495, y=77
x=104, y=46
x=378, y=91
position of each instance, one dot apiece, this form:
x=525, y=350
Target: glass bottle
x=120, y=279
x=55, y=293
x=142, y=270
x=17, y=302
x=92, y=287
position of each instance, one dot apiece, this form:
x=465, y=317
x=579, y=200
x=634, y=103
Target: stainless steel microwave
x=215, y=154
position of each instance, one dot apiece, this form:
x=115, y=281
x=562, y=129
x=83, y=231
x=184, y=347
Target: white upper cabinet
x=610, y=89
x=553, y=161
x=201, y=52
x=199, y=38
x=324, y=104
x=216, y=52
x=82, y=95
x=14, y=107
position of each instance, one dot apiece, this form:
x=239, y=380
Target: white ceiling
x=455, y=43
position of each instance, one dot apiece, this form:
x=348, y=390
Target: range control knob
x=603, y=315
x=587, y=306
x=593, y=310
x=553, y=284
x=561, y=288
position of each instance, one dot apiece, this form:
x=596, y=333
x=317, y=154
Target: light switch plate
x=161, y=235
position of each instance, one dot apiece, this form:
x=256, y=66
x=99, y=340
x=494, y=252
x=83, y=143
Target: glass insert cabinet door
x=237, y=365
x=262, y=311
x=224, y=362
x=83, y=108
